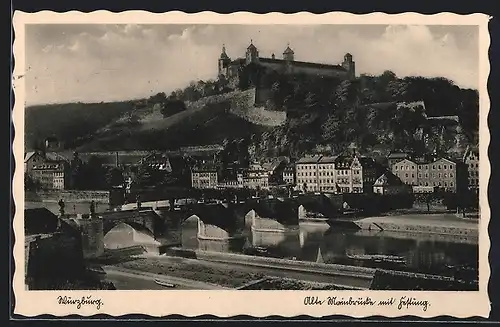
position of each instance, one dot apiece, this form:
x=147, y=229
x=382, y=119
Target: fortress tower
x=252, y=54
x=224, y=62
x=288, y=54
x=349, y=65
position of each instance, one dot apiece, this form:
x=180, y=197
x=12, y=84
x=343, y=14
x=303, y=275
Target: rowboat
x=159, y=282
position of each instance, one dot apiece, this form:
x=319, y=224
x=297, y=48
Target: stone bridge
x=147, y=217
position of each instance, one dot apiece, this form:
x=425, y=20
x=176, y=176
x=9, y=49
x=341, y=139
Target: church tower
x=252, y=54
x=224, y=62
x=349, y=65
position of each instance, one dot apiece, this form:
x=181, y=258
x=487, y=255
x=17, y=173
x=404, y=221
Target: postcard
x=251, y=164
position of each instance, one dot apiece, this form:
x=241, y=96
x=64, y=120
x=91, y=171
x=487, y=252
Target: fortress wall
x=320, y=71
x=243, y=105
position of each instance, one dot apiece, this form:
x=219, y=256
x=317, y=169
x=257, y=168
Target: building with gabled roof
x=390, y=184
x=471, y=160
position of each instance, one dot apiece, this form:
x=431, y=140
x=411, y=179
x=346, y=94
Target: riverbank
x=198, y=273
x=447, y=224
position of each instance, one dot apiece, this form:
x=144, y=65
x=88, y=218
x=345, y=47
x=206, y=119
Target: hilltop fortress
x=230, y=69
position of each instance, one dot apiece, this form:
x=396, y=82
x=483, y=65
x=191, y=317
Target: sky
x=94, y=63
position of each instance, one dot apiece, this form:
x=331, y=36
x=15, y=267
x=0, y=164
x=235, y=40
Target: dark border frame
x=359, y=7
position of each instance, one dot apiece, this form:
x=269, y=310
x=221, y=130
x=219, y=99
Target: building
x=306, y=171
x=395, y=157
x=471, y=160
x=406, y=170
x=326, y=174
x=31, y=159
x=256, y=177
x=275, y=168
x=390, y=184
x=48, y=242
x=51, y=175
x=204, y=176
x=289, y=175
x=157, y=161
x=230, y=69
x=52, y=144
x=50, y=169
x=355, y=174
x=443, y=173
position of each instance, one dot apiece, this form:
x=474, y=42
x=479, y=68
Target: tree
x=427, y=198
x=114, y=177
x=76, y=172
x=171, y=107
x=31, y=184
x=95, y=174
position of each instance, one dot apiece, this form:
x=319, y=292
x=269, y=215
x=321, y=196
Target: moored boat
x=162, y=283
x=377, y=258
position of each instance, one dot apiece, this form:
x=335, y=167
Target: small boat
x=377, y=258
x=159, y=282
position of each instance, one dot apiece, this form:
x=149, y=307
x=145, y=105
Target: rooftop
x=309, y=159
x=388, y=178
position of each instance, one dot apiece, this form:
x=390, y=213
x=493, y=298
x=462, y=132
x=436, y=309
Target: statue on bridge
x=138, y=201
x=92, y=208
x=61, y=207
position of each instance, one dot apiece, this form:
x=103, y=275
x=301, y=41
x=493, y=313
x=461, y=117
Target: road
x=126, y=279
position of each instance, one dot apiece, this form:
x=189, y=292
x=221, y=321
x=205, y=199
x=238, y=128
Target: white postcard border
x=253, y=303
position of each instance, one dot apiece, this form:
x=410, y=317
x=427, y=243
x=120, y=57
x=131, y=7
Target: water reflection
x=318, y=242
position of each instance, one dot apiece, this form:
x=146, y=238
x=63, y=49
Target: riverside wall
x=418, y=227
x=358, y=277
x=329, y=269
x=72, y=196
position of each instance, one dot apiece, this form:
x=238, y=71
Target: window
x=451, y=174
x=445, y=175
x=419, y=175
x=427, y=175
x=406, y=168
x=406, y=175
x=395, y=167
x=444, y=166
x=445, y=184
x=433, y=166
x=439, y=166
x=426, y=167
x=412, y=175
x=451, y=183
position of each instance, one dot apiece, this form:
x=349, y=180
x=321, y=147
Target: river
x=422, y=252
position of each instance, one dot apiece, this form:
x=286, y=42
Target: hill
x=383, y=113
x=70, y=121
x=140, y=125
x=376, y=113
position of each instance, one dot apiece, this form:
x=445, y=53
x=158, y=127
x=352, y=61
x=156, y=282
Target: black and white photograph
x=253, y=156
